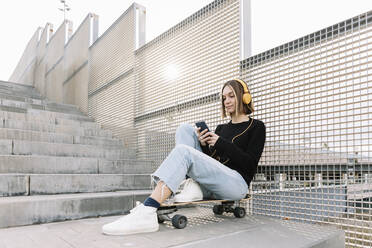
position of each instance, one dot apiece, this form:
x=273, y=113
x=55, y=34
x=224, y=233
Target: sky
x=273, y=22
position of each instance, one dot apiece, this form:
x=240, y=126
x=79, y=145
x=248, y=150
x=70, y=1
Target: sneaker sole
x=154, y=229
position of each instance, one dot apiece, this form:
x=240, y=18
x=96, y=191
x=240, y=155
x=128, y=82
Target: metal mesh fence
x=179, y=76
x=314, y=95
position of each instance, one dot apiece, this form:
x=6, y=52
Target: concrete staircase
x=57, y=164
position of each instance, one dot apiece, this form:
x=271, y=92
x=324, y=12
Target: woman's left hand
x=212, y=138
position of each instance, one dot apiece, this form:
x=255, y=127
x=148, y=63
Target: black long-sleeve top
x=239, y=146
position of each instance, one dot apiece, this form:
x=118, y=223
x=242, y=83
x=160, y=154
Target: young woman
x=222, y=162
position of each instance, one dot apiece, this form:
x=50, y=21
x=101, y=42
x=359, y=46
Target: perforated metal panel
x=111, y=79
x=113, y=109
x=179, y=76
x=314, y=95
x=113, y=53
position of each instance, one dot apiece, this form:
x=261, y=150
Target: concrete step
x=205, y=230
x=23, y=147
x=47, y=184
x=27, y=210
x=36, y=101
x=19, y=134
x=46, y=114
x=47, y=164
x=21, y=98
x=42, y=106
x=31, y=93
x=32, y=117
x=99, y=141
x=14, y=106
x=33, y=164
x=52, y=103
x=77, y=123
x=13, y=185
x=55, y=128
x=51, y=114
x=13, y=109
x=16, y=85
x=18, y=89
x=123, y=166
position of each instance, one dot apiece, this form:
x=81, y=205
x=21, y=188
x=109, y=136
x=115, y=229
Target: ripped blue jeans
x=216, y=180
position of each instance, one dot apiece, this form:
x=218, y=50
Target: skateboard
x=220, y=206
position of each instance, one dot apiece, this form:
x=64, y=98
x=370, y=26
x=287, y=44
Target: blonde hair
x=238, y=91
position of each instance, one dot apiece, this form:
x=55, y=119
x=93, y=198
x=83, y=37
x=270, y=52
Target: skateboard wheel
x=218, y=209
x=179, y=221
x=160, y=220
x=239, y=212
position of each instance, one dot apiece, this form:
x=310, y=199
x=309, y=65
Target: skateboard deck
x=220, y=206
x=200, y=202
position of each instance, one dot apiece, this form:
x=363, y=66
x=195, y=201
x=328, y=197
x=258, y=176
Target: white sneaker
x=140, y=220
x=191, y=192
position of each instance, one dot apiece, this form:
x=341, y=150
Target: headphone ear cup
x=247, y=98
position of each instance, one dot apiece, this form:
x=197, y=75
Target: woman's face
x=229, y=100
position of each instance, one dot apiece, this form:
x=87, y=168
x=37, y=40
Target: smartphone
x=202, y=125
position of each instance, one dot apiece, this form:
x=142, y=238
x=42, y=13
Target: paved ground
x=204, y=230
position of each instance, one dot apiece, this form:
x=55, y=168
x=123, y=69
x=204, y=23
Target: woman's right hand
x=203, y=136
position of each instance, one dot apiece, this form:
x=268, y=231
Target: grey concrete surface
x=125, y=166
x=38, y=136
x=5, y=147
x=47, y=164
x=69, y=122
x=22, y=93
x=41, y=105
x=13, y=184
x=55, y=128
x=98, y=141
x=26, y=210
x=54, y=161
x=47, y=184
x=46, y=113
x=72, y=165
x=18, y=134
x=204, y=230
x=48, y=118
x=85, y=183
x=25, y=147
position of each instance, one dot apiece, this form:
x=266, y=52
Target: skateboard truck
x=228, y=207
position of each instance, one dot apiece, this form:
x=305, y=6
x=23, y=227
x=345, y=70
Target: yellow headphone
x=247, y=98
